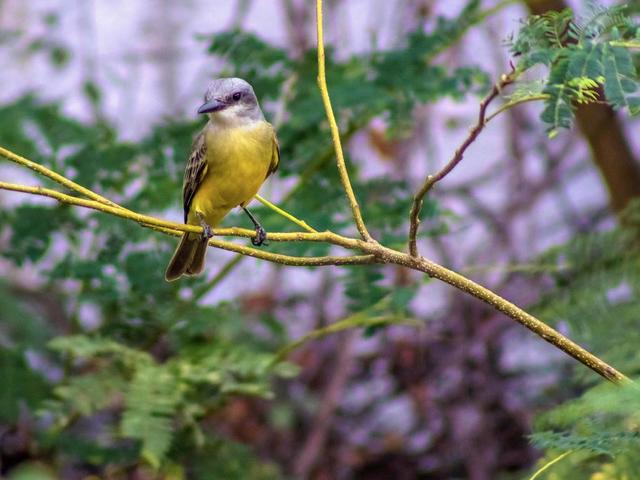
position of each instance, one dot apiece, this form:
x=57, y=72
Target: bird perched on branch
x=230, y=159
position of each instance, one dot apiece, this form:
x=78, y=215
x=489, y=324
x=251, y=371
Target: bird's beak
x=212, y=106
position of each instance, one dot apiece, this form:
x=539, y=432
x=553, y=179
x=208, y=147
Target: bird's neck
x=229, y=118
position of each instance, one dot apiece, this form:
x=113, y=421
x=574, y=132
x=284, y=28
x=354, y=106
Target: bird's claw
x=261, y=236
x=207, y=231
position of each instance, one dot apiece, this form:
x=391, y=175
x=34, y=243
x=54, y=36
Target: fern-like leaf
x=558, y=110
x=621, y=79
x=151, y=402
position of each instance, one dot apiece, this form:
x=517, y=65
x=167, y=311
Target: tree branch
x=56, y=177
x=373, y=252
x=529, y=321
x=178, y=229
x=335, y=133
x=285, y=214
x=431, y=180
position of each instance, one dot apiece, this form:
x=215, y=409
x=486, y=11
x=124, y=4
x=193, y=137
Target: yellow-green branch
x=177, y=229
x=285, y=214
x=431, y=180
x=372, y=252
x=335, y=133
x=56, y=177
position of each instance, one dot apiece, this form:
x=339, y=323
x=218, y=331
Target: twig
x=373, y=252
x=549, y=464
x=56, y=177
x=335, y=133
x=321, y=424
x=222, y=273
x=431, y=180
x=513, y=103
x=177, y=229
x=285, y=214
x=529, y=321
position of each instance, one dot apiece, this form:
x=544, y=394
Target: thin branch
x=549, y=464
x=221, y=275
x=361, y=319
x=625, y=44
x=431, y=180
x=285, y=214
x=335, y=133
x=513, y=103
x=56, y=177
x=71, y=185
x=178, y=229
x=373, y=253
x=529, y=321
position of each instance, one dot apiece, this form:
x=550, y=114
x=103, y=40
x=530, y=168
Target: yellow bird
x=230, y=159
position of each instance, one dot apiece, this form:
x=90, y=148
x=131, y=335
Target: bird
x=230, y=159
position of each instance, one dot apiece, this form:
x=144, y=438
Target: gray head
x=231, y=101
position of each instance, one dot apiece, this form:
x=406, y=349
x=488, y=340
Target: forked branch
x=365, y=249
x=335, y=133
x=431, y=180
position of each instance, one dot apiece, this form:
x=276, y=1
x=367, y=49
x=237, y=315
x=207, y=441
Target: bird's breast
x=238, y=160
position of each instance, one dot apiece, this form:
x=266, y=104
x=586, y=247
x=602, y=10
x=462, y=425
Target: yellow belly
x=238, y=162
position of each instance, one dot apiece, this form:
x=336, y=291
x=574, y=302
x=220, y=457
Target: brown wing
x=194, y=172
x=275, y=156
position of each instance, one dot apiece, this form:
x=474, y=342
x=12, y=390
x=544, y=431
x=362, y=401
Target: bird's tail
x=188, y=258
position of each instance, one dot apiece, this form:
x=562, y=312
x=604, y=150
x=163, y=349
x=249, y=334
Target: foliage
x=141, y=362
x=589, y=59
x=596, y=294
x=133, y=372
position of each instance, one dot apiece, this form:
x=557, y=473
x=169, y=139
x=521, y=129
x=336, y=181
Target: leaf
x=21, y=386
x=84, y=346
x=151, y=402
x=87, y=394
x=32, y=229
x=621, y=79
x=586, y=62
x=558, y=111
x=600, y=443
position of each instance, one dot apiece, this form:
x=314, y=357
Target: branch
x=431, y=180
x=56, y=177
x=178, y=229
x=312, y=447
x=373, y=253
x=529, y=321
x=287, y=215
x=513, y=103
x=335, y=134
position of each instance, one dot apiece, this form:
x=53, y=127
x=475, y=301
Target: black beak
x=212, y=106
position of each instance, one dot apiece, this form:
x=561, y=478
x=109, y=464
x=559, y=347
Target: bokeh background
x=451, y=397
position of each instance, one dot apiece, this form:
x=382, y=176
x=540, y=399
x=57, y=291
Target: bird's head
x=231, y=101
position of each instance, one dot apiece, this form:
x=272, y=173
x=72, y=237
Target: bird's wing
x=194, y=172
x=275, y=156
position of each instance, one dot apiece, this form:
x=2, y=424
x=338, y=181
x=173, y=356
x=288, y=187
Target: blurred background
x=108, y=372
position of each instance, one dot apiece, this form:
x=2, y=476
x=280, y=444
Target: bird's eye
x=236, y=96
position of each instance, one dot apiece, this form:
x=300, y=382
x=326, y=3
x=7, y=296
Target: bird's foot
x=261, y=236
x=207, y=231
x=261, y=233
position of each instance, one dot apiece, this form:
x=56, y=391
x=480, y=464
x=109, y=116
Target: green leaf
x=558, y=111
x=32, y=229
x=151, y=402
x=21, y=386
x=621, y=79
x=586, y=62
